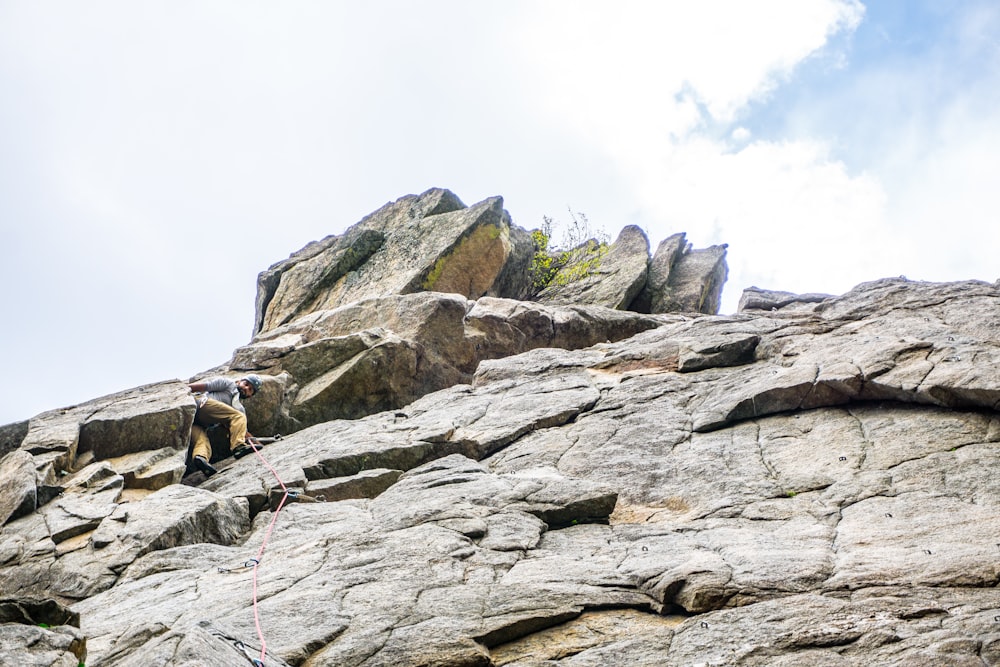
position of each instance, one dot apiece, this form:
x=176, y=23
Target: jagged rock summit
x=434, y=242
x=473, y=479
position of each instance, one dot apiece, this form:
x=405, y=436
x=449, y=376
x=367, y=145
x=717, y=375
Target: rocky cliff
x=480, y=471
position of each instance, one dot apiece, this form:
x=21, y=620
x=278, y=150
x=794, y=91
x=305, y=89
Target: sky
x=156, y=156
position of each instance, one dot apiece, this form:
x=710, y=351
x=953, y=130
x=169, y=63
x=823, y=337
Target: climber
x=218, y=402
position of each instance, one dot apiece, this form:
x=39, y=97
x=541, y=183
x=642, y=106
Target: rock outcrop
x=430, y=242
x=597, y=275
x=384, y=352
x=434, y=242
x=473, y=480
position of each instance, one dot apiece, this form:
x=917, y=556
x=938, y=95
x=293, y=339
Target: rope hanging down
x=260, y=554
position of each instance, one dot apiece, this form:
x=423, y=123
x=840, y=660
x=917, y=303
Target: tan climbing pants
x=211, y=413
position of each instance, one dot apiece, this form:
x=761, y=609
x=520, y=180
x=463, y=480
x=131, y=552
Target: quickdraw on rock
x=253, y=562
x=293, y=495
x=243, y=649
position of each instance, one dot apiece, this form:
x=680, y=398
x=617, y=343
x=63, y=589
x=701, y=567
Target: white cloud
x=741, y=135
x=653, y=84
x=794, y=218
x=636, y=71
x=946, y=202
x=919, y=118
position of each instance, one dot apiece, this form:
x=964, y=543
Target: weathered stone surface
x=268, y=280
x=170, y=517
x=204, y=644
x=683, y=279
x=602, y=637
x=17, y=479
x=754, y=298
x=426, y=242
x=514, y=279
x=432, y=241
x=90, y=495
x=799, y=531
x=34, y=646
x=142, y=419
x=290, y=289
x=296, y=297
x=76, y=514
x=810, y=481
x=602, y=276
x=365, y=484
x=363, y=594
x=382, y=353
x=655, y=295
x=504, y=327
x=55, y=434
x=695, y=282
x=83, y=541
x=146, y=418
x=11, y=436
x=151, y=470
x=35, y=611
x=476, y=424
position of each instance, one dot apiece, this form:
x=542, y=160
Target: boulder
x=654, y=297
x=288, y=290
x=434, y=242
x=17, y=478
x=365, y=484
x=383, y=353
x=81, y=543
x=695, y=282
x=430, y=242
x=11, y=436
x=38, y=646
x=596, y=274
x=151, y=470
x=90, y=495
x=683, y=279
x=503, y=327
x=755, y=298
x=53, y=438
x=145, y=418
x=170, y=517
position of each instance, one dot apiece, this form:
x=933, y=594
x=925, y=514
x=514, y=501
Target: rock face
x=682, y=279
x=434, y=242
x=611, y=276
x=754, y=298
x=417, y=243
x=811, y=481
x=382, y=353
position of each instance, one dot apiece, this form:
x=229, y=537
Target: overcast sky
x=156, y=156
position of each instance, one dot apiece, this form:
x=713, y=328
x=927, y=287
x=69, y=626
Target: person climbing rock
x=218, y=402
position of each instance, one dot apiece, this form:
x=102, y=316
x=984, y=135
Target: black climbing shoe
x=204, y=466
x=242, y=451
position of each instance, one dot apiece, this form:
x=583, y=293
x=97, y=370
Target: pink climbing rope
x=260, y=552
